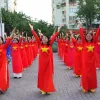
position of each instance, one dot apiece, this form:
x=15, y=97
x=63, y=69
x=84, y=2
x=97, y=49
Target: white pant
x=17, y=75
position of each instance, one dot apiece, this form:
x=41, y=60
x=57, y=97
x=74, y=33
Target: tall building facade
x=12, y=5
x=64, y=12
x=8, y=4
x=4, y=4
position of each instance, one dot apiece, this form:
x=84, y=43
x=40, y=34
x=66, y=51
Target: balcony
x=72, y=2
x=63, y=4
x=64, y=12
x=64, y=20
x=58, y=6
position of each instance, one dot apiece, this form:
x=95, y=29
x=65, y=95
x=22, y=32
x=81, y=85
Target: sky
x=40, y=9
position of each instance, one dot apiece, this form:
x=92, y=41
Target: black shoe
x=15, y=77
x=1, y=92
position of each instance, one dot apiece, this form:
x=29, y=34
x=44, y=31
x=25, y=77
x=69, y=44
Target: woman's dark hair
x=48, y=43
x=28, y=39
x=78, y=37
x=69, y=37
x=91, y=35
x=2, y=40
x=17, y=39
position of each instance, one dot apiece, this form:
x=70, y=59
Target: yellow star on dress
x=98, y=43
x=14, y=48
x=44, y=49
x=0, y=50
x=80, y=48
x=71, y=46
x=21, y=47
x=26, y=45
x=66, y=44
x=90, y=48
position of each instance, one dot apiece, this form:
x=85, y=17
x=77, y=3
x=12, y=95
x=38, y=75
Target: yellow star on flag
x=98, y=43
x=44, y=49
x=79, y=48
x=90, y=48
x=15, y=48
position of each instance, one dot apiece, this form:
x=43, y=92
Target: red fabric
x=89, y=78
x=97, y=50
x=78, y=58
x=23, y=56
x=65, y=52
x=31, y=51
x=4, y=74
x=52, y=60
x=16, y=58
x=70, y=56
x=60, y=48
x=45, y=72
x=35, y=49
x=27, y=49
x=63, y=46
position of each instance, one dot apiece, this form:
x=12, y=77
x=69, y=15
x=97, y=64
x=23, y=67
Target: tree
x=21, y=21
x=89, y=10
x=46, y=29
x=14, y=19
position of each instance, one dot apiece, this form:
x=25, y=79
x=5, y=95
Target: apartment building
x=64, y=12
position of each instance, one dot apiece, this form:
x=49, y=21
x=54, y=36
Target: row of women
x=23, y=52
x=82, y=54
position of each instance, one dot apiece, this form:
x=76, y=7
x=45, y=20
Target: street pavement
x=67, y=86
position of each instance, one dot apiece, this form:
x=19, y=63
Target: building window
x=63, y=0
x=63, y=4
x=72, y=2
x=72, y=19
x=63, y=12
x=64, y=20
x=73, y=10
x=58, y=6
x=5, y=1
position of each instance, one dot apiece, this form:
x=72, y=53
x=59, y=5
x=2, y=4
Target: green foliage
x=46, y=29
x=89, y=10
x=21, y=21
x=14, y=19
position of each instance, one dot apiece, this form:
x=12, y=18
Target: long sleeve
x=97, y=34
x=7, y=43
x=74, y=41
x=54, y=37
x=37, y=38
x=82, y=35
x=20, y=40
